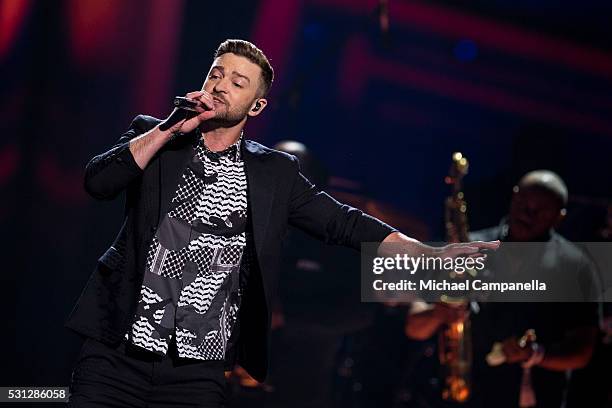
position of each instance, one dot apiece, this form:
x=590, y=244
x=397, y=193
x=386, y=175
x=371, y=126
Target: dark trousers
x=128, y=376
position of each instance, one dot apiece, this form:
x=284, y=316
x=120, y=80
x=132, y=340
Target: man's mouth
x=218, y=100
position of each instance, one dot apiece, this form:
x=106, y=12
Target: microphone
x=185, y=109
x=185, y=103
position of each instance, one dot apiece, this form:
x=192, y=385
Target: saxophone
x=455, y=343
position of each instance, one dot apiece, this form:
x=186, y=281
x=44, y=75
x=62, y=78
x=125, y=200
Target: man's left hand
x=474, y=249
x=413, y=247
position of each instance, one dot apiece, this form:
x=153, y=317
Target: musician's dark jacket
x=278, y=195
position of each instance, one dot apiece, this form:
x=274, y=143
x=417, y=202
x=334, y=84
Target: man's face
x=533, y=211
x=234, y=83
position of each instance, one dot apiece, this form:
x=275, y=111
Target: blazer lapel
x=261, y=189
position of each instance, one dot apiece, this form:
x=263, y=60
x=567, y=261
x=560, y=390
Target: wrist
x=173, y=135
x=164, y=136
x=396, y=242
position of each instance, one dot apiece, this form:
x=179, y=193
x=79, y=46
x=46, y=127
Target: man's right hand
x=145, y=146
x=185, y=121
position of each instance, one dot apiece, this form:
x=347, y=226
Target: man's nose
x=221, y=86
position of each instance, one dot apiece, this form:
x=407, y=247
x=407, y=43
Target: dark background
x=515, y=85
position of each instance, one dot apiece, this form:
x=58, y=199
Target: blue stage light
x=466, y=50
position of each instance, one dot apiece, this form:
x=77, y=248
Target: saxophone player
x=566, y=332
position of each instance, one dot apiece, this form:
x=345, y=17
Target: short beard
x=228, y=118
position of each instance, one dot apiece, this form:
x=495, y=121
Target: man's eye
x=237, y=84
x=214, y=76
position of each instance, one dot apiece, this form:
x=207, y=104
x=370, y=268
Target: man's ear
x=258, y=106
x=560, y=217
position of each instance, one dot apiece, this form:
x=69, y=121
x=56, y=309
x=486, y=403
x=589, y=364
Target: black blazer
x=278, y=195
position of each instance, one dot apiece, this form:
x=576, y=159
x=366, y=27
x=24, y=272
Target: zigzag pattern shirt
x=192, y=284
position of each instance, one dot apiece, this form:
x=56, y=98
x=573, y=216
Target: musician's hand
x=474, y=249
x=514, y=352
x=185, y=121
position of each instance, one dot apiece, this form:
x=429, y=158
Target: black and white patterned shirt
x=192, y=285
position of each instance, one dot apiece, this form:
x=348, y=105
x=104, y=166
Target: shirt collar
x=232, y=151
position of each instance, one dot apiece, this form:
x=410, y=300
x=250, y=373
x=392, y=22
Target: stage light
x=466, y=50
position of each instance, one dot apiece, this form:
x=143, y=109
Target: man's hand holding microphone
x=185, y=118
x=181, y=120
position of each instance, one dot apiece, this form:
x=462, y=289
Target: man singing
x=184, y=291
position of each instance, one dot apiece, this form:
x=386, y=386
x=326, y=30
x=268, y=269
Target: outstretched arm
x=319, y=214
x=404, y=244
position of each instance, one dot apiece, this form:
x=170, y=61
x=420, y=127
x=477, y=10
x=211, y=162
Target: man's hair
x=253, y=54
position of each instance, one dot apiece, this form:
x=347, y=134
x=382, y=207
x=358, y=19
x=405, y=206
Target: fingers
x=474, y=249
x=461, y=249
x=195, y=94
x=480, y=244
x=204, y=110
x=486, y=245
x=207, y=101
x=207, y=114
x=470, y=249
x=477, y=255
x=204, y=98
